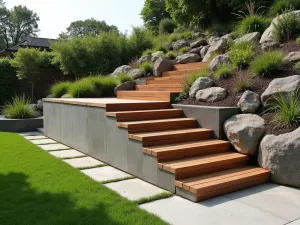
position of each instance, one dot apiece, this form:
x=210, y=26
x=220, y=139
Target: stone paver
x=67, y=154
x=54, y=147
x=296, y=222
x=35, y=137
x=135, y=189
x=105, y=173
x=280, y=201
x=43, y=141
x=217, y=211
x=34, y=133
x=84, y=162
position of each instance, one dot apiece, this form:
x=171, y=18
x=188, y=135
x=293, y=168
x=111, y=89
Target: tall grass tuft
x=252, y=23
x=60, y=89
x=19, y=108
x=84, y=88
x=224, y=71
x=267, y=63
x=147, y=67
x=124, y=77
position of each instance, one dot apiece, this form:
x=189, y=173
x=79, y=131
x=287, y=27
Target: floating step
x=172, y=136
x=197, y=65
x=195, y=166
x=146, y=115
x=220, y=183
x=155, y=87
x=158, y=125
x=186, y=150
x=147, y=95
x=151, y=105
x=176, y=73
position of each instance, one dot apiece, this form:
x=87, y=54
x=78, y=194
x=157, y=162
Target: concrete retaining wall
x=20, y=125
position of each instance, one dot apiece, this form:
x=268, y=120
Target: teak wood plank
x=114, y=107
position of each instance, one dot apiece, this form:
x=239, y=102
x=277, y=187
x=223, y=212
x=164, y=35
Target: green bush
x=184, y=50
x=172, y=55
x=279, y=7
x=267, y=63
x=124, y=77
x=287, y=25
x=297, y=66
x=19, y=108
x=108, y=86
x=166, y=26
x=242, y=53
x=8, y=80
x=224, y=71
x=60, y=89
x=252, y=23
x=147, y=67
x=84, y=88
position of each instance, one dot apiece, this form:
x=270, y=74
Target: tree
x=27, y=62
x=153, y=12
x=16, y=24
x=90, y=27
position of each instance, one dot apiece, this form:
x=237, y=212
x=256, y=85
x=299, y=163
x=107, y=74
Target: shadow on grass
x=20, y=204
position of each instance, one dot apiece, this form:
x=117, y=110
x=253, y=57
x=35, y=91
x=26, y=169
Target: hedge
x=8, y=79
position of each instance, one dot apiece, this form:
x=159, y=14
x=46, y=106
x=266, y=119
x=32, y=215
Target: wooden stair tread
x=191, y=65
x=151, y=105
x=146, y=95
x=199, y=161
x=146, y=122
x=220, y=180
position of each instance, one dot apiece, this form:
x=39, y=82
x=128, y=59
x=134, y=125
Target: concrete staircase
x=174, y=152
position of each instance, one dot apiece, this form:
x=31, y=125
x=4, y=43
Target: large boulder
x=177, y=45
x=213, y=39
x=212, y=94
x=254, y=37
x=204, y=50
x=268, y=35
x=245, y=131
x=293, y=57
x=136, y=73
x=162, y=65
x=127, y=86
x=199, y=84
x=144, y=59
x=270, y=45
x=218, y=61
x=199, y=43
x=218, y=47
x=196, y=50
x=285, y=86
x=121, y=69
x=281, y=155
x=156, y=55
x=187, y=58
x=249, y=102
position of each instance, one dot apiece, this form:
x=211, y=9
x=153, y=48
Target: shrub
x=84, y=88
x=267, y=63
x=242, y=53
x=172, y=55
x=124, y=77
x=60, y=89
x=166, y=26
x=8, y=80
x=287, y=25
x=108, y=86
x=184, y=50
x=224, y=71
x=147, y=67
x=19, y=108
x=252, y=23
x=161, y=47
x=287, y=109
x=297, y=66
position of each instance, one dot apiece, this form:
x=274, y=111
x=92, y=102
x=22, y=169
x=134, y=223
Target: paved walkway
x=267, y=204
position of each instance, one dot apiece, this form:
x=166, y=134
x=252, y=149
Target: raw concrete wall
x=20, y=125
x=209, y=117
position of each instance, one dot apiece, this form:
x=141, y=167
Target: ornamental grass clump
x=267, y=63
x=252, y=23
x=147, y=67
x=184, y=50
x=242, y=53
x=124, y=77
x=84, y=88
x=60, y=89
x=224, y=71
x=19, y=108
x=195, y=75
x=172, y=54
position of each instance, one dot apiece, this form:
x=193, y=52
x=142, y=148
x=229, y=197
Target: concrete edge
x=21, y=125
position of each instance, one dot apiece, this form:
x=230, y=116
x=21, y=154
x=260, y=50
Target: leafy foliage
x=8, y=80
x=298, y=40
x=287, y=25
x=184, y=50
x=147, y=67
x=19, y=108
x=224, y=71
x=148, y=52
x=267, y=63
x=297, y=66
x=242, y=53
x=174, y=37
x=60, y=89
x=124, y=77
x=252, y=23
x=166, y=26
x=172, y=54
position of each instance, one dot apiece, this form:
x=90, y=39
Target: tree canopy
x=91, y=27
x=153, y=12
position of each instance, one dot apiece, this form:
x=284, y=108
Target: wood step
x=200, y=165
x=180, y=72
x=186, y=150
x=172, y=136
x=158, y=125
x=146, y=115
x=155, y=87
x=147, y=95
x=197, y=65
x=220, y=183
x=115, y=107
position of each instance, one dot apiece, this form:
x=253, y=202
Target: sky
x=56, y=15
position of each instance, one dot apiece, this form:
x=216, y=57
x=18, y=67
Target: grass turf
x=39, y=189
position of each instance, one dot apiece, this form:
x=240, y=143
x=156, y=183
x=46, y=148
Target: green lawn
x=38, y=189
